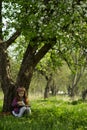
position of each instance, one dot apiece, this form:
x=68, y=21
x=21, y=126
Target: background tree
x=77, y=64
x=47, y=67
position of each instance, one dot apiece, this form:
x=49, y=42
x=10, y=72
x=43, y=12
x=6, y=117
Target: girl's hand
x=20, y=103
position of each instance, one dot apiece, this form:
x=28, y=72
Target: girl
x=20, y=103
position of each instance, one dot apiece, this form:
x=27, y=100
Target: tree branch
x=65, y=59
x=12, y=38
x=39, y=55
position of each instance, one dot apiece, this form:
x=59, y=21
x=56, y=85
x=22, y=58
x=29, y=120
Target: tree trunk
x=75, y=81
x=25, y=74
x=6, y=82
x=24, y=78
x=46, y=92
x=47, y=88
x=27, y=67
x=8, y=97
x=84, y=94
x=54, y=88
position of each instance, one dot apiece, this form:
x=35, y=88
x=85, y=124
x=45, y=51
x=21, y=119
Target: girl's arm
x=14, y=103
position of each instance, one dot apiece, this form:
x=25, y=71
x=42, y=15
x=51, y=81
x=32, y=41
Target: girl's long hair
x=25, y=97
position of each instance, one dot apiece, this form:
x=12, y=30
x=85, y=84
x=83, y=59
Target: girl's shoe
x=14, y=113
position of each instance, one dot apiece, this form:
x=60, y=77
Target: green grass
x=51, y=114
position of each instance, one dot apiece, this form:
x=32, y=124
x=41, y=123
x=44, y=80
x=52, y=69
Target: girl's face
x=21, y=93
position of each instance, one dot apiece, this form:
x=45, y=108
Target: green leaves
x=40, y=21
x=35, y=18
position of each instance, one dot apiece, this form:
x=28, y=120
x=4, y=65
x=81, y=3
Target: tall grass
x=50, y=114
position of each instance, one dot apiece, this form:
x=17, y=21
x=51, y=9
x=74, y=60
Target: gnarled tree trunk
x=5, y=78
x=25, y=74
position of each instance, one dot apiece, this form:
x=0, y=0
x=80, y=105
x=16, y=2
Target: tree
x=77, y=64
x=39, y=22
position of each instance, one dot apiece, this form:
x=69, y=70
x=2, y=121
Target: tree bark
x=84, y=94
x=30, y=60
x=8, y=97
x=5, y=79
x=48, y=86
x=54, y=89
x=46, y=92
x=7, y=84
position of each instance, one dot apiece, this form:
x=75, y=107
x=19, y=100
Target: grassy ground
x=55, y=113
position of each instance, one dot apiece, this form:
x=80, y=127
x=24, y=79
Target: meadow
x=54, y=113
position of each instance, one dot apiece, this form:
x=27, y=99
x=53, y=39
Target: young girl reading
x=20, y=103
